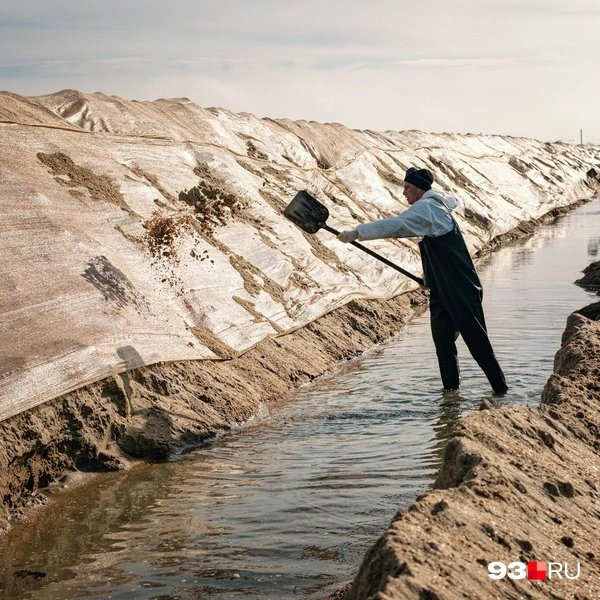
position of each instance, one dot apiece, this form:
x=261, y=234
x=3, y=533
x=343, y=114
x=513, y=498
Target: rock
x=486, y=405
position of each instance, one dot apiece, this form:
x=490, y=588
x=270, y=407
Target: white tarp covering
x=86, y=292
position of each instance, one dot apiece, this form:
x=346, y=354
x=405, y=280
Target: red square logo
x=536, y=570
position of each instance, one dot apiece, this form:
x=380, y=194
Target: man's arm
x=413, y=222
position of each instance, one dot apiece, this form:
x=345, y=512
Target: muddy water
x=286, y=507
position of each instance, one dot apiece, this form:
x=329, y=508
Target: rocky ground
x=516, y=485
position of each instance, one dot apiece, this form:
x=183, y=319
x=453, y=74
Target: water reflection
x=451, y=410
x=287, y=507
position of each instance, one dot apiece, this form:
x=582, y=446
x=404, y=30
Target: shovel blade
x=306, y=212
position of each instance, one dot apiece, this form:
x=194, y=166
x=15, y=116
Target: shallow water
x=287, y=506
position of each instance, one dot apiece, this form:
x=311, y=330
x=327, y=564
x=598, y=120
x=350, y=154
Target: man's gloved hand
x=348, y=236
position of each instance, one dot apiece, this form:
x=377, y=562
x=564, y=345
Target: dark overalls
x=455, y=304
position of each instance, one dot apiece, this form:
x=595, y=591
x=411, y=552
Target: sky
x=510, y=67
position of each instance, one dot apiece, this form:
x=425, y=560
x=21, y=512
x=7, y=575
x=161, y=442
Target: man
x=456, y=292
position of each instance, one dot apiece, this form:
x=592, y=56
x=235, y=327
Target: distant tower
x=581, y=136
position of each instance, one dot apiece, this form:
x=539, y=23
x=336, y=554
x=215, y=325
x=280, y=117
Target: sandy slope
x=150, y=412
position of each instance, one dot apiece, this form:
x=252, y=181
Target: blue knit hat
x=421, y=178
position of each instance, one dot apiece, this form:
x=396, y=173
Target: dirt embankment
x=517, y=485
x=151, y=412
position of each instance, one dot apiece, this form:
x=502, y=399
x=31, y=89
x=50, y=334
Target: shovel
x=310, y=215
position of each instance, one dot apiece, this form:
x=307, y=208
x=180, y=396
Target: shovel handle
x=385, y=261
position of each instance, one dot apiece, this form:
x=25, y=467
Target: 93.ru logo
x=532, y=570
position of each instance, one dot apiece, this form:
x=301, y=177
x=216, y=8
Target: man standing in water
x=456, y=292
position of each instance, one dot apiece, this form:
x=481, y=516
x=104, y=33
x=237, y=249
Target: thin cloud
x=459, y=62
x=391, y=63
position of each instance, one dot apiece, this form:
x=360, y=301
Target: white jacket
x=425, y=217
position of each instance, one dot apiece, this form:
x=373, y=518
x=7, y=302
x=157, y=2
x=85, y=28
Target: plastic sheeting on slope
x=87, y=292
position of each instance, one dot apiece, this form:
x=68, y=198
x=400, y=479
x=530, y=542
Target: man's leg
x=444, y=332
x=471, y=324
